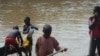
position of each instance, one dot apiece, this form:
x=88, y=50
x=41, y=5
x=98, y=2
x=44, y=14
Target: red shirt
x=95, y=32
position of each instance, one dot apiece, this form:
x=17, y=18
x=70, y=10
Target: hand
x=93, y=20
x=64, y=49
x=22, y=43
x=36, y=28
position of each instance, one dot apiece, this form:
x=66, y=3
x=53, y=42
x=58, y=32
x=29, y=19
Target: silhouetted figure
x=94, y=27
x=29, y=29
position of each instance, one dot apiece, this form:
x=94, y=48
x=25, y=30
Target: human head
x=47, y=29
x=16, y=27
x=27, y=20
x=96, y=10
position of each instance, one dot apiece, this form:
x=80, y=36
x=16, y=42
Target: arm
x=56, y=45
x=91, y=23
x=20, y=38
x=35, y=28
x=25, y=29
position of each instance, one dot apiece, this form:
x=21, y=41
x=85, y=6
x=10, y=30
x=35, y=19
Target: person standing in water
x=28, y=28
x=46, y=44
x=94, y=31
x=11, y=40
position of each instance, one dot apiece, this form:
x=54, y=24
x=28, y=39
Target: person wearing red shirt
x=12, y=38
x=94, y=31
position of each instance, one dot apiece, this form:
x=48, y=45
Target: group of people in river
x=28, y=28
x=46, y=43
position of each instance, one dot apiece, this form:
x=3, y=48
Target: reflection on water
x=67, y=17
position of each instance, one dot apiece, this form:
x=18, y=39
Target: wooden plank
x=61, y=50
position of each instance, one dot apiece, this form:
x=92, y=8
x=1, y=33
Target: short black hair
x=27, y=19
x=47, y=28
x=96, y=10
x=16, y=27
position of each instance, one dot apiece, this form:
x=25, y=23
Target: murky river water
x=69, y=19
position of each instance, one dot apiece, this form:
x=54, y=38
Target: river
x=68, y=18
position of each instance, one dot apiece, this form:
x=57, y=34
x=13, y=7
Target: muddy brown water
x=69, y=19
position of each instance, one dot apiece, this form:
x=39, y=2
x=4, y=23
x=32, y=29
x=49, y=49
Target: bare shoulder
x=52, y=37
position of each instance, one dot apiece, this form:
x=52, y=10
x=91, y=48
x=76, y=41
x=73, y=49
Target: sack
x=25, y=43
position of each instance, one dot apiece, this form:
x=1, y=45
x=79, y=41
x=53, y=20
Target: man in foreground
x=46, y=44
